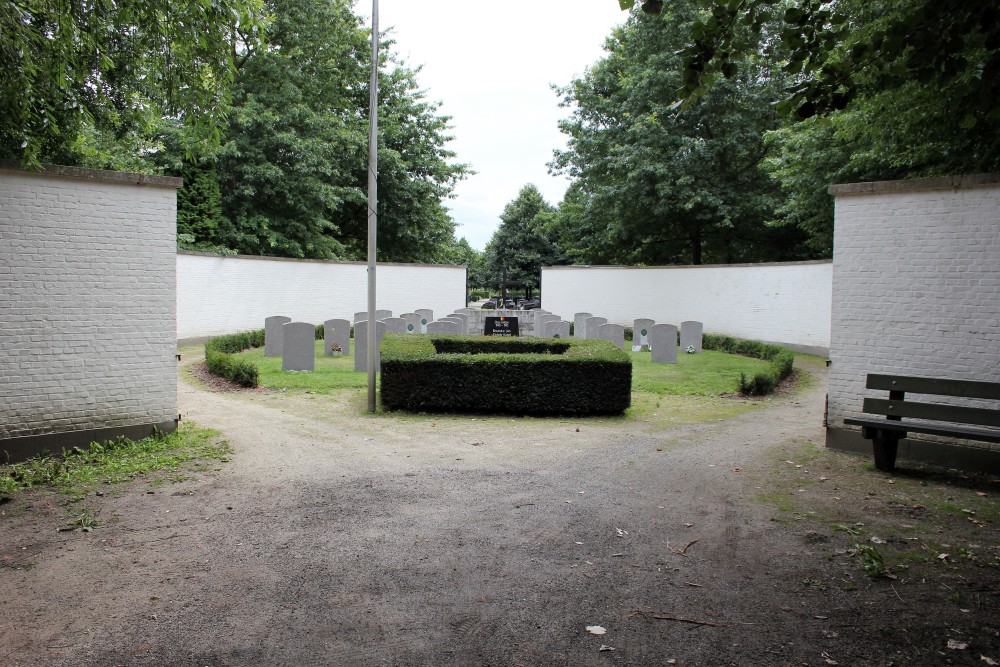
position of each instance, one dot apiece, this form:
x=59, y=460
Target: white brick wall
x=780, y=303
x=86, y=301
x=916, y=284
x=220, y=295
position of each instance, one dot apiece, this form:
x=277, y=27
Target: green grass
x=330, y=375
x=707, y=374
x=80, y=471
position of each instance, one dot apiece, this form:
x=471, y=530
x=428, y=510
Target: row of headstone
x=661, y=339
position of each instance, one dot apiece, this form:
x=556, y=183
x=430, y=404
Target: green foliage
x=871, y=559
x=114, y=68
x=81, y=469
x=780, y=362
x=504, y=375
x=711, y=373
x=220, y=357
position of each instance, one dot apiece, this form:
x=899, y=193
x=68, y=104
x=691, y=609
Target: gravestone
x=557, y=329
x=272, y=334
x=640, y=334
x=298, y=352
x=691, y=336
x=395, y=325
x=360, y=316
x=465, y=321
x=613, y=333
x=466, y=311
x=541, y=320
x=412, y=322
x=663, y=343
x=426, y=317
x=506, y=327
x=443, y=326
x=382, y=314
x=580, y=325
x=590, y=325
x=361, y=345
x=336, y=333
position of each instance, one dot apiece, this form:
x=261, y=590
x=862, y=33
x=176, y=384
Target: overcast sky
x=491, y=65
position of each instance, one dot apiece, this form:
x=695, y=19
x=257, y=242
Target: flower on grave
x=689, y=349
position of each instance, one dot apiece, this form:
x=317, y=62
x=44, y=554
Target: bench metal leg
x=885, y=444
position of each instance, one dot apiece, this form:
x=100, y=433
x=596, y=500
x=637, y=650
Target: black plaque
x=501, y=326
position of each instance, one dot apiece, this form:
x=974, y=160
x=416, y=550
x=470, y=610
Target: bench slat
x=969, y=432
x=921, y=385
x=936, y=412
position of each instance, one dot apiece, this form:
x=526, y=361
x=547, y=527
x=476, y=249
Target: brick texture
x=87, y=305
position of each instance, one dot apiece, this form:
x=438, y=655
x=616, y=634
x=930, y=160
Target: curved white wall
x=780, y=303
x=219, y=295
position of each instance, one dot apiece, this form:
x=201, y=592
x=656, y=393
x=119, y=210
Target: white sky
x=490, y=64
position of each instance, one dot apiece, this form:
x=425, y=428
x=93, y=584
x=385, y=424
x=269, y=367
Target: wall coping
x=691, y=266
x=95, y=174
x=198, y=253
x=915, y=184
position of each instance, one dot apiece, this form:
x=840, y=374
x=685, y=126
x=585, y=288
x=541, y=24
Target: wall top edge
x=690, y=266
x=95, y=174
x=915, y=184
x=196, y=253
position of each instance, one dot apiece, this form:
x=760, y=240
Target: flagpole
x=372, y=350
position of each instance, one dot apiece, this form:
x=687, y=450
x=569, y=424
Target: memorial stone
x=336, y=333
x=504, y=326
x=395, y=325
x=663, y=343
x=360, y=316
x=640, y=334
x=557, y=329
x=466, y=321
x=590, y=325
x=272, y=334
x=540, y=322
x=613, y=333
x=580, y=325
x=443, y=326
x=298, y=352
x=382, y=314
x=412, y=322
x=426, y=317
x=460, y=321
x=361, y=345
x=691, y=336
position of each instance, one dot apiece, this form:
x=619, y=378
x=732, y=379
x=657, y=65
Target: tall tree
x=660, y=184
x=75, y=67
x=523, y=243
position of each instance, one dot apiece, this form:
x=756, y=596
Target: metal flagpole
x=372, y=208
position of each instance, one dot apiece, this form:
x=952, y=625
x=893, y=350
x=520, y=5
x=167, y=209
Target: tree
x=77, y=67
x=658, y=184
x=522, y=244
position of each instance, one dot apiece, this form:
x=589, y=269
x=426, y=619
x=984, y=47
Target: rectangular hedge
x=524, y=376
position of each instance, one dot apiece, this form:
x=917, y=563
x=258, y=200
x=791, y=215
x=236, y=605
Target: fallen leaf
x=957, y=645
x=823, y=479
x=737, y=469
x=577, y=430
x=876, y=540
x=942, y=556
x=596, y=630
x=688, y=525
x=988, y=661
x=604, y=647
x=983, y=495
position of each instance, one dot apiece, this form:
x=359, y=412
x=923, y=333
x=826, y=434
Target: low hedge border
x=524, y=376
x=220, y=361
x=761, y=383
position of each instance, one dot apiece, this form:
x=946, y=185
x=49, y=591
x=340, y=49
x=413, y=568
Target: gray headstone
x=640, y=334
x=395, y=325
x=466, y=320
x=457, y=320
x=360, y=316
x=382, y=314
x=412, y=322
x=298, y=346
x=272, y=334
x=361, y=345
x=557, y=329
x=663, y=343
x=444, y=326
x=590, y=325
x=336, y=333
x=580, y=325
x=613, y=333
x=426, y=317
x=466, y=311
x=541, y=320
x=691, y=336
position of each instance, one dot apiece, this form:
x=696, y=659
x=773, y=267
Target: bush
x=762, y=383
x=504, y=375
x=220, y=360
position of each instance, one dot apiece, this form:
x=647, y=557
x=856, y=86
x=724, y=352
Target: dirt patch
x=335, y=537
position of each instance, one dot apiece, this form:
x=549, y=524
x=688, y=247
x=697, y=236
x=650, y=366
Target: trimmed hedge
x=524, y=376
x=761, y=383
x=221, y=360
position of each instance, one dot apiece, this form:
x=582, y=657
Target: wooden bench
x=936, y=419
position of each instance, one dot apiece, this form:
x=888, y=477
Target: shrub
x=504, y=375
x=220, y=360
x=761, y=383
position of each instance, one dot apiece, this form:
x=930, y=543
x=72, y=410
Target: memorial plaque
x=641, y=333
x=663, y=343
x=501, y=326
x=272, y=335
x=691, y=336
x=298, y=351
x=580, y=325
